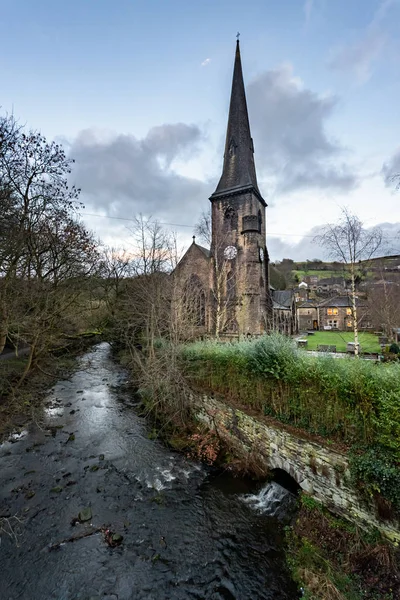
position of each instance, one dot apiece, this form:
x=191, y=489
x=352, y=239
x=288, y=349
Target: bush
x=349, y=400
x=376, y=473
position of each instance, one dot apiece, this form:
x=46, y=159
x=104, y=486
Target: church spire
x=239, y=172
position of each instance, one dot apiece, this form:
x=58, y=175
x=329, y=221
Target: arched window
x=194, y=298
x=259, y=221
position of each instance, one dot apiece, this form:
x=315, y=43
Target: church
x=225, y=289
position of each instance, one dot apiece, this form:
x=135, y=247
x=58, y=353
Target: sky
x=138, y=93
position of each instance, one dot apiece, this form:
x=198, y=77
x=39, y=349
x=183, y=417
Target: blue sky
x=139, y=92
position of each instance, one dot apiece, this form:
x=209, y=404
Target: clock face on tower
x=230, y=252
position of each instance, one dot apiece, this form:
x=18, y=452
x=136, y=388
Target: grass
x=368, y=341
x=321, y=274
x=318, y=273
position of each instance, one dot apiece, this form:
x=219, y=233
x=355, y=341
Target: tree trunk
x=3, y=324
x=354, y=307
x=28, y=364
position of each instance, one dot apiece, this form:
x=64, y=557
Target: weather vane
x=238, y=35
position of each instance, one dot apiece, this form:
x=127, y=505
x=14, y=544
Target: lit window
x=349, y=324
x=348, y=311
x=332, y=311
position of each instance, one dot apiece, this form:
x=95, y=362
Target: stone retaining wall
x=320, y=471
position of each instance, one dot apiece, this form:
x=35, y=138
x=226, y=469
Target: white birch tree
x=349, y=242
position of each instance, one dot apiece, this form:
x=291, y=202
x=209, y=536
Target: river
x=187, y=532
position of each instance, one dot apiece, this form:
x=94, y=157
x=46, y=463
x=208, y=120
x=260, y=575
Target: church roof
x=192, y=248
x=277, y=306
x=205, y=251
x=239, y=172
x=283, y=297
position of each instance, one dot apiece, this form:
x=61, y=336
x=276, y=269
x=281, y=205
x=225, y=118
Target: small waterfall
x=272, y=500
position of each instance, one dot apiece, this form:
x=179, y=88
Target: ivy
x=376, y=471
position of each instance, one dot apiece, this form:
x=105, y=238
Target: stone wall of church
x=195, y=264
x=239, y=221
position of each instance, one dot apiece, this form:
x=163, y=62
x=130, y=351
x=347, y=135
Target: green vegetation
x=321, y=274
x=368, y=341
x=350, y=401
x=377, y=475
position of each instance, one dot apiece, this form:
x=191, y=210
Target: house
x=301, y=292
x=337, y=313
x=307, y=315
x=332, y=313
x=331, y=284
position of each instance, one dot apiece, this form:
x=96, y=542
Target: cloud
x=289, y=127
x=206, y=62
x=306, y=248
x=122, y=176
x=359, y=57
x=308, y=7
x=391, y=170
x=303, y=249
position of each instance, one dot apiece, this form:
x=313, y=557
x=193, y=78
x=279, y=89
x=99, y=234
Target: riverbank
x=331, y=559
x=23, y=403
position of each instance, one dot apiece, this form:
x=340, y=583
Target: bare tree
x=115, y=265
x=144, y=309
x=46, y=253
x=203, y=228
x=348, y=242
x=33, y=180
x=153, y=248
x=384, y=300
x=223, y=288
x=223, y=292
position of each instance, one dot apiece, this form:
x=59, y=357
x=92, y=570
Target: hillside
x=288, y=273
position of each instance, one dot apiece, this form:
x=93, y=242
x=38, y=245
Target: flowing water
x=187, y=533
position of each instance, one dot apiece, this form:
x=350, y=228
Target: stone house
x=332, y=313
x=331, y=285
x=307, y=315
x=301, y=292
x=337, y=313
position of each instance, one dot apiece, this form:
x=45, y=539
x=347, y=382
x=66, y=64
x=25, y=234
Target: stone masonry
x=321, y=472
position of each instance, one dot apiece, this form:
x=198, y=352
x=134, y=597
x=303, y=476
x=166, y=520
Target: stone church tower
x=239, y=277
x=229, y=284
